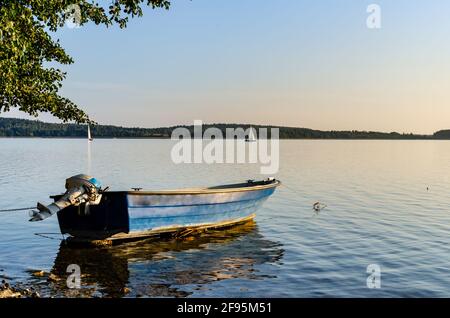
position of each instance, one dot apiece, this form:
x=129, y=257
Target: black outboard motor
x=80, y=189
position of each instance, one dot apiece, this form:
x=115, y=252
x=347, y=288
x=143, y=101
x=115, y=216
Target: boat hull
x=137, y=214
x=160, y=211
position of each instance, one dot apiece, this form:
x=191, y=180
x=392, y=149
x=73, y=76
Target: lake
x=387, y=204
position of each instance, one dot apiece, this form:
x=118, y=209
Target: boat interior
x=249, y=183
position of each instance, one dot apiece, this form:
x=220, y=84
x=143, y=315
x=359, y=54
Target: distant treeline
x=12, y=127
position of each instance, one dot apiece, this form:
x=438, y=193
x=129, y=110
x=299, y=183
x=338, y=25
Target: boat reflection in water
x=167, y=268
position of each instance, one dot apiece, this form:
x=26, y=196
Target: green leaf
x=26, y=43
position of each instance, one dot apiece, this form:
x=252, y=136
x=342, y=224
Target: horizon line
x=234, y=124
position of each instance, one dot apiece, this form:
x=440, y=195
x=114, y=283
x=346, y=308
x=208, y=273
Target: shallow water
x=379, y=211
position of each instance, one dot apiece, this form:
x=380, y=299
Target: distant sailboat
x=251, y=136
x=89, y=134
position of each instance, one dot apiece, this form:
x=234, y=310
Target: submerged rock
x=53, y=278
x=7, y=291
x=38, y=273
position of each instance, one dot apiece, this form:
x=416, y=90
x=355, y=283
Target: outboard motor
x=80, y=189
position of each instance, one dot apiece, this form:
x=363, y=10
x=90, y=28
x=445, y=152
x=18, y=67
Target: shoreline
x=168, y=138
x=24, y=128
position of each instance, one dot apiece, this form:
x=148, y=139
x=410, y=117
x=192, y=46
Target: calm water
x=379, y=211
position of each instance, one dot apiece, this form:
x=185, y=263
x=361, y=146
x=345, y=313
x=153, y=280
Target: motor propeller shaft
x=79, y=189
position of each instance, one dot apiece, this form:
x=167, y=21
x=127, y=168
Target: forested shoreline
x=13, y=127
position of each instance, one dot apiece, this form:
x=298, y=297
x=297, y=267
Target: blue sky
x=287, y=62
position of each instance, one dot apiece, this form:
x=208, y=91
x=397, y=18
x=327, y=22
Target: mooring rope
x=318, y=206
x=17, y=209
x=292, y=189
x=46, y=235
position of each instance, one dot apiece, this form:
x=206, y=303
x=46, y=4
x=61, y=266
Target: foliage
x=26, y=45
x=442, y=134
x=11, y=127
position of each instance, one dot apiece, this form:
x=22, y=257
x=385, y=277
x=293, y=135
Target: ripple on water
x=379, y=211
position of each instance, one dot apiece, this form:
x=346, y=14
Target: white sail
x=251, y=135
x=89, y=134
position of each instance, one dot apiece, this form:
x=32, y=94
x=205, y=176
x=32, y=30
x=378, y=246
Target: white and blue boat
x=88, y=213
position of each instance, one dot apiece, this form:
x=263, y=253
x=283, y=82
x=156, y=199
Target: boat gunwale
x=274, y=184
x=196, y=191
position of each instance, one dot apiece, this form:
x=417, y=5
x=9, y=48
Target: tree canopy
x=27, y=46
x=12, y=127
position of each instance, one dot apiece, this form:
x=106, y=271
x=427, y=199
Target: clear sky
x=305, y=63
